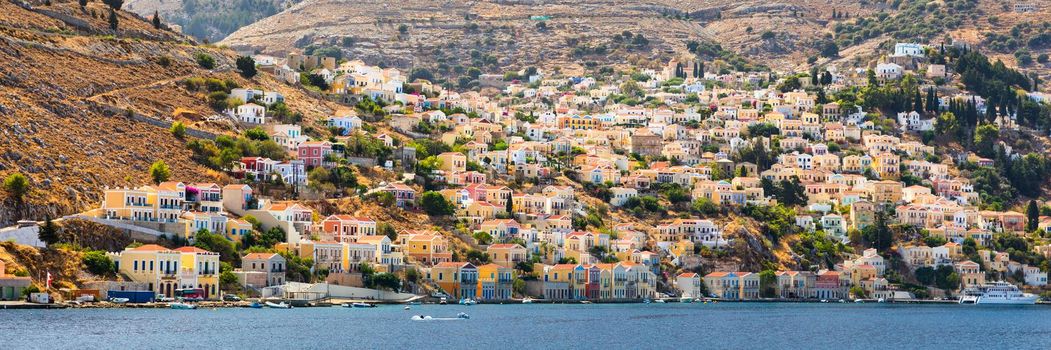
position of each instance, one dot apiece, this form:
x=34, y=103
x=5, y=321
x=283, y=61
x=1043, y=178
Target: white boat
x=997, y=293
x=468, y=301
x=459, y=317
x=359, y=305
x=527, y=300
x=659, y=301
x=119, y=300
x=645, y=301
x=282, y=305
x=182, y=306
x=686, y=300
x=408, y=307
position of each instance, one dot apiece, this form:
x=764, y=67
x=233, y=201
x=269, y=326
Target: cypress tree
x=156, y=20
x=113, y=21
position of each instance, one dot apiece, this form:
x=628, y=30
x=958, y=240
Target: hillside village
x=917, y=177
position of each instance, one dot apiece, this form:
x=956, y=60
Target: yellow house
x=166, y=270
x=428, y=248
x=495, y=282
x=152, y=264
x=453, y=162
x=236, y=229
x=200, y=269
x=506, y=255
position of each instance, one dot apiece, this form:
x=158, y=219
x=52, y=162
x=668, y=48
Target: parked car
x=231, y=297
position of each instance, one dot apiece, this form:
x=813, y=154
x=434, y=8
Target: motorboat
x=659, y=301
x=182, y=306
x=443, y=301
x=527, y=300
x=468, y=301
x=119, y=300
x=255, y=305
x=1002, y=293
x=646, y=301
x=686, y=300
x=360, y=305
x=459, y=317
x=281, y=305
x=408, y=307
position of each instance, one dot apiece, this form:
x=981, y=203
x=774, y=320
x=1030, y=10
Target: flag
x=49, y=280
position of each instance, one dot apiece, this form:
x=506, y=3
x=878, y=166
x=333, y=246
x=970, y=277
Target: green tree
x=82, y=3
x=435, y=205
x=16, y=185
x=386, y=281
x=114, y=22
x=767, y=284
x=160, y=172
x=246, y=65
x=879, y=234
x=985, y=137
x=1032, y=212
x=156, y=20
x=98, y=263
x=925, y=275
x=114, y=4
x=204, y=60
x=388, y=230
x=178, y=129
x=483, y=238
x=49, y=233
x=216, y=243
x=403, y=29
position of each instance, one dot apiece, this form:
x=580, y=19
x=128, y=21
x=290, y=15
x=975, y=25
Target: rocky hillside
x=83, y=107
x=208, y=20
x=499, y=35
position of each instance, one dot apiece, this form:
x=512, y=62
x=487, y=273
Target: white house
x=912, y=121
x=250, y=113
x=909, y=49
x=347, y=123
x=266, y=97
x=888, y=71
x=620, y=195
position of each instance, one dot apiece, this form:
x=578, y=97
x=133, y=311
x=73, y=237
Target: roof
x=149, y=247
x=505, y=246
x=258, y=256
x=191, y=250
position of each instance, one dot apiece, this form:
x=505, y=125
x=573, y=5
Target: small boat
x=443, y=301
x=881, y=300
x=859, y=301
x=686, y=300
x=408, y=307
x=256, y=305
x=119, y=300
x=646, y=301
x=459, y=317
x=468, y=301
x=659, y=301
x=414, y=303
x=585, y=301
x=527, y=300
x=182, y=306
x=282, y=305
x=361, y=305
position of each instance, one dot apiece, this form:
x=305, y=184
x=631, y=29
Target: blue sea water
x=539, y=326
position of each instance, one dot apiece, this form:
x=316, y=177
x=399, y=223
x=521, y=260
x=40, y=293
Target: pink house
x=313, y=153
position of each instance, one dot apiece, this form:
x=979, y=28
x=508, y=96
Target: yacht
x=997, y=293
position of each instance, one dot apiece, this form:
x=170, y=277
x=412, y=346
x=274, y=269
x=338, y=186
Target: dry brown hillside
x=65, y=81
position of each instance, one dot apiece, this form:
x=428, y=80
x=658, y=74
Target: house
x=166, y=270
x=427, y=248
x=259, y=270
x=507, y=255
x=404, y=195
x=345, y=123
x=971, y=274
x=458, y=279
x=313, y=153
x=889, y=71
x=689, y=285
x=250, y=113
x=620, y=195
x=11, y=286
x=453, y=162
x=495, y=282
x=347, y=228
